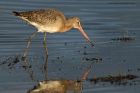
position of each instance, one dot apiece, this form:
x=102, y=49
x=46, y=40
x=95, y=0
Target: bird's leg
x=28, y=45
x=45, y=45
x=46, y=52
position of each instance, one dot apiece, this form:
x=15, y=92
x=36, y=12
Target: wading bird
x=51, y=21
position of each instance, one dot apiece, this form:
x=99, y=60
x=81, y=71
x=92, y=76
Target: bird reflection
x=57, y=86
x=61, y=86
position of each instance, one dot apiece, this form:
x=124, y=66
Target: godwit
x=52, y=21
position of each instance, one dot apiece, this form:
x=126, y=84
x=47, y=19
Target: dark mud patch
x=117, y=80
x=10, y=62
x=122, y=3
x=98, y=59
x=123, y=39
x=16, y=62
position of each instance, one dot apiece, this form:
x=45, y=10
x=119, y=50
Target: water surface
x=105, y=21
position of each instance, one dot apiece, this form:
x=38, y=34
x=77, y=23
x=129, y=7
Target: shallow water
x=105, y=21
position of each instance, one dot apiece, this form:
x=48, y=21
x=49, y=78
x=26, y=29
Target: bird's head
x=77, y=25
x=76, y=22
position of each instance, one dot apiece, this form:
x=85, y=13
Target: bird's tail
x=16, y=13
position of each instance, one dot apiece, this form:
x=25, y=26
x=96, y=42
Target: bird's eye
x=78, y=22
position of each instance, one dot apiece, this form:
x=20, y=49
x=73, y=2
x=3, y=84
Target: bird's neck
x=68, y=25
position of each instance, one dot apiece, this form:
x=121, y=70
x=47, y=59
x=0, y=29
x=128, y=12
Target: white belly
x=43, y=28
x=48, y=29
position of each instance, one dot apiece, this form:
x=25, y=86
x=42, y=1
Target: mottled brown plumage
x=42, y=16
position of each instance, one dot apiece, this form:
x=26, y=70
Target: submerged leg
x=28, y=45
x=46, y=52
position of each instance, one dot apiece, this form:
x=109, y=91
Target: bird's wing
x=42, y=16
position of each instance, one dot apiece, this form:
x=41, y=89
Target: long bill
x=85, y=36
